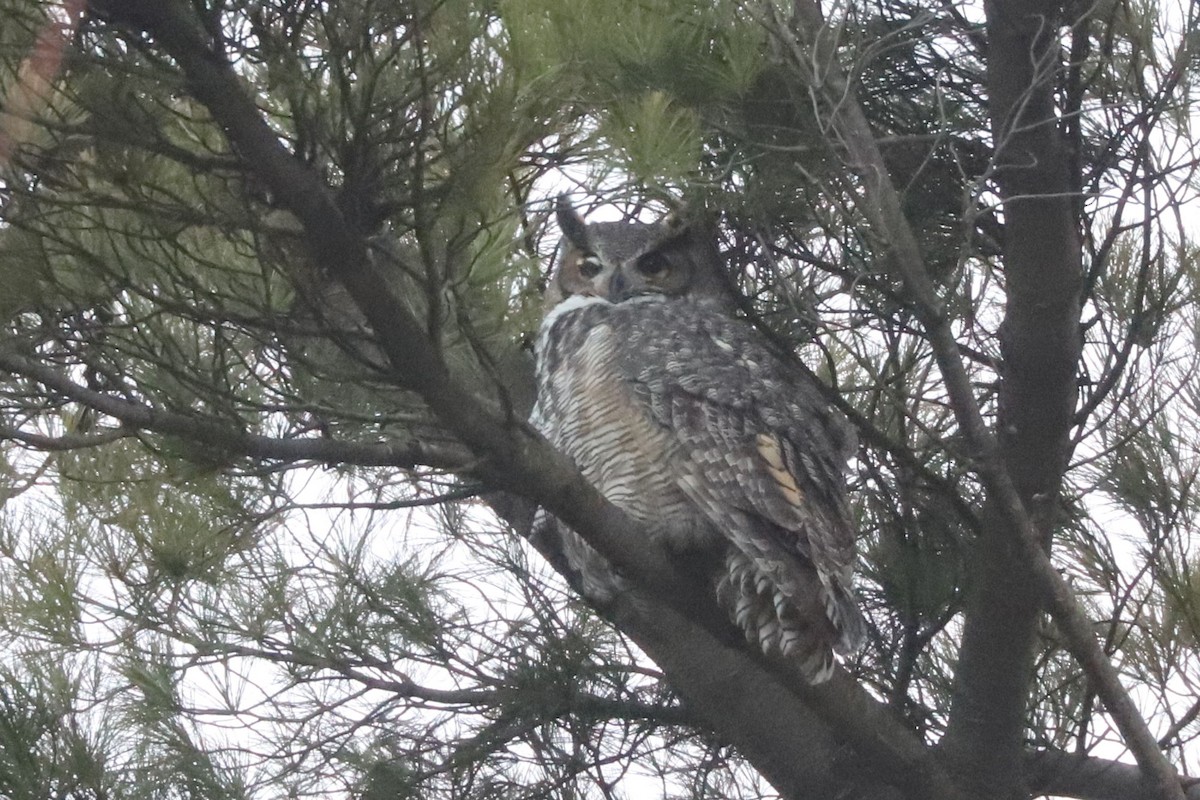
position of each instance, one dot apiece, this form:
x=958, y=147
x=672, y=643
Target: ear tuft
x=677, y=219
x=573, y=228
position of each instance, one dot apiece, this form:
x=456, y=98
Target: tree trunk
x=1040, y=346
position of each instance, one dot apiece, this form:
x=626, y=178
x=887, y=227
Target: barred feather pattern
x=681, y=416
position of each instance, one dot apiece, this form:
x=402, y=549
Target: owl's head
x=674, y=257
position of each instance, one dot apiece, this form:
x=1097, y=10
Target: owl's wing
x=777, y=504
x=761, y=453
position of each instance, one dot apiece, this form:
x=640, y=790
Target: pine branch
x=216, y=433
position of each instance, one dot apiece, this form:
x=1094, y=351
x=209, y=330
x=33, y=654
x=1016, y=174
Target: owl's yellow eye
x=653, y=264
x=590, y=267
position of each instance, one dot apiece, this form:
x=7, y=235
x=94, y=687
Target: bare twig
x=216, y=433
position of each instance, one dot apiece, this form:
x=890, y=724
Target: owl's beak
x=617, y=287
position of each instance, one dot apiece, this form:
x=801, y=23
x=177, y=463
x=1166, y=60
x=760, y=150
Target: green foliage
x=648, y=74
x=701, y=52
x=44, y=752
x=42, y=594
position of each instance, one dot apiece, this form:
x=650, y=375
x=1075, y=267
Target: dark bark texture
x=1040, y=343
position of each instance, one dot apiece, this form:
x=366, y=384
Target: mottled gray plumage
x=681, y=416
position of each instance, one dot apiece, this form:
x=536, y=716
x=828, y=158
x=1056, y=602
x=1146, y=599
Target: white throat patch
x=572, y=303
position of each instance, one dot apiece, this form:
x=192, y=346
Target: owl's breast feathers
x=587, y=409
x=672, y=408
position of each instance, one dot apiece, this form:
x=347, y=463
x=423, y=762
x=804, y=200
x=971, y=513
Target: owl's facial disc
x=621, y=260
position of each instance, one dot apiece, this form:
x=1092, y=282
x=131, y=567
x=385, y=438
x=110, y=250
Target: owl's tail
x=807, y=623
x=841, y=607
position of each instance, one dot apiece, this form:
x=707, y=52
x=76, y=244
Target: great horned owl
x=681, y=416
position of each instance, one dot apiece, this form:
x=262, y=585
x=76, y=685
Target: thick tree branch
x=1053, y=772
x=1041, y=344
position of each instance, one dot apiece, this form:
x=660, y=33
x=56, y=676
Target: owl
x=682, y=416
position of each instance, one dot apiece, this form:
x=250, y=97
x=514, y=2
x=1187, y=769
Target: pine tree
x=271, y=270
